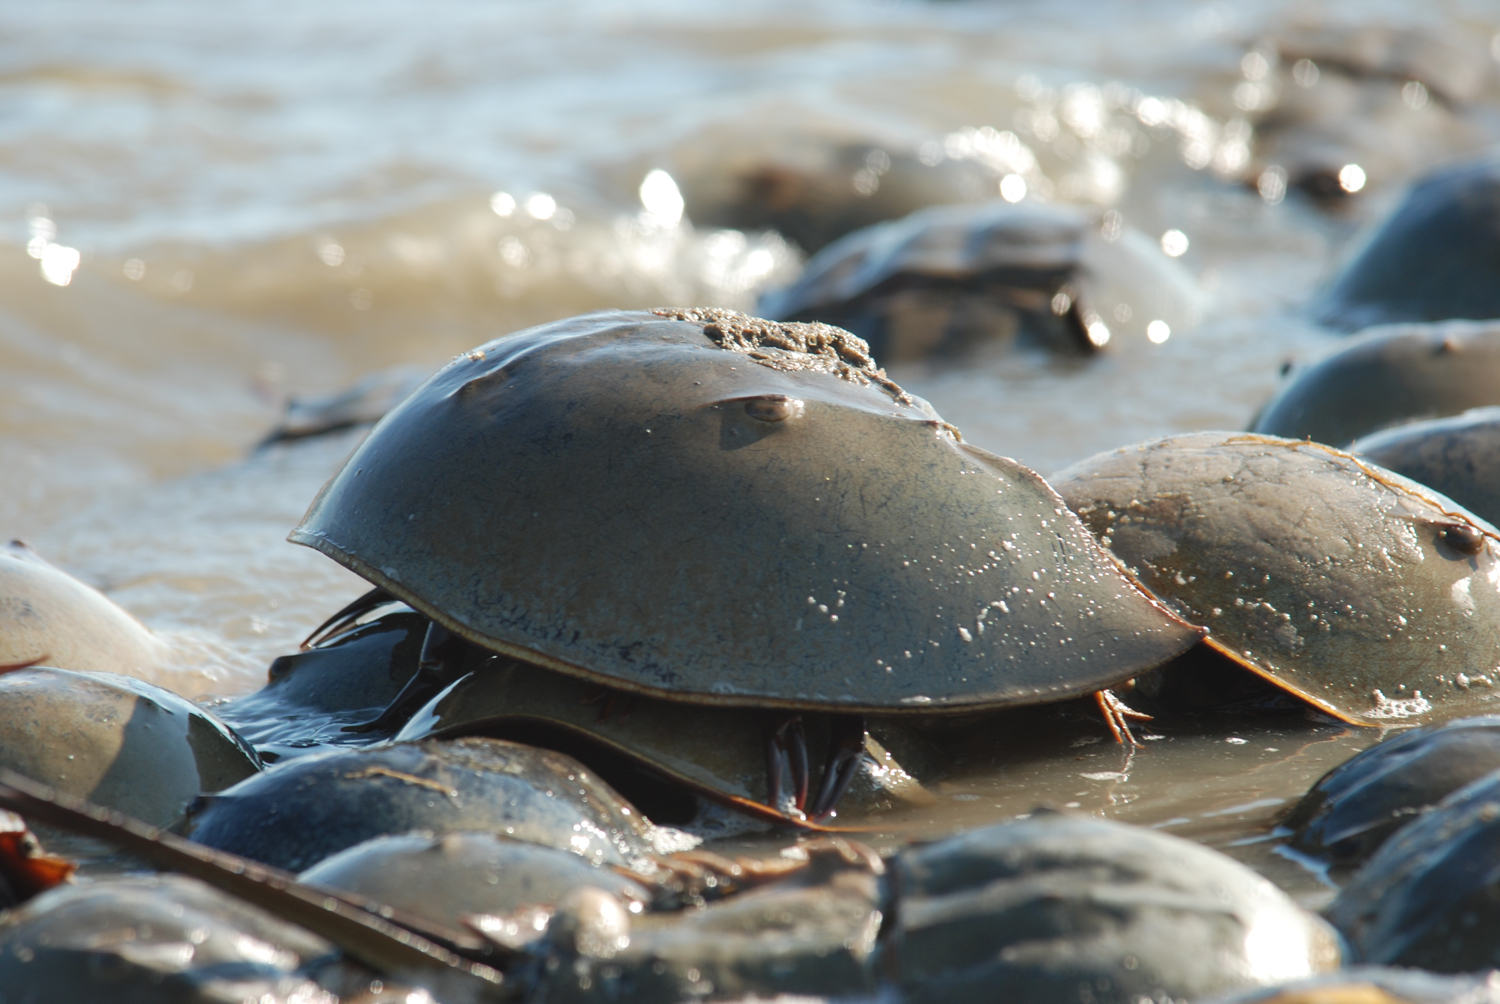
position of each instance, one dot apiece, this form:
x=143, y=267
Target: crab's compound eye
x=1462, y=537
x=773, y=408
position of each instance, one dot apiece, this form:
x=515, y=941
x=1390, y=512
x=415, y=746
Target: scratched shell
x=1363, y=592
x=1356, y=806
x=1434, y=258
x=1386, y=376
x=1458, y=456
x=310, y=808
x=719, y=752
x=629, y=497
x=1029, y=911
x=47, y=616
x=947, y=278
x=444, y=878
x=116, y=741
x=1430, y=897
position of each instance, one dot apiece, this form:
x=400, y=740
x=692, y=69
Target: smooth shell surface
x=153, y=940
x=719, y=752
x=1430, y=897
x=1030, y=911
x=724, y=510
x=1458, y=456
x=1356, y=806
x=48, y=617
x=950, y=277
x=304, y=811
x=116, y=741
x=444, y=878
x=1367, y=594
x=1386, y=376
x=1434, y=258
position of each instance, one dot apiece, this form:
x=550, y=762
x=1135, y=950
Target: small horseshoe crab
x=48, y=617
x=1386, y=376
x=1362, y=592
x=948, y=278
x=708, y=508
x=1432, y=259
x=1458, y=456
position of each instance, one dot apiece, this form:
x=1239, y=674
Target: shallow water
x=268, y=206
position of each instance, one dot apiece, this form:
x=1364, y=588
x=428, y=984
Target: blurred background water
x=207, y=210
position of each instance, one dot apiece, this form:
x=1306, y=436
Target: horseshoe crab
x=770, y=522
x=949, y=277
x=117, y=741
x=445, y=878
x=1037, y=909
x=1366, y=594
x=1386, y=376
x=1433, y=258
x=47, y=616
x=1458, y=456
x=1355, y=807
x=310, y=808
x=1428, y=897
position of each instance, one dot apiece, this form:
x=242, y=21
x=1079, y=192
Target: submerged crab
x=707, y=508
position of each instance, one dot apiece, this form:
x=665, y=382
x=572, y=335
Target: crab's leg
x=845, y=755
x=787, y=748
x=1117, y=714
x=442, y=654
x=340, y=621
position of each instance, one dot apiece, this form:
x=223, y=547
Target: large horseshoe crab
x=1364, y=593
x=709, y=508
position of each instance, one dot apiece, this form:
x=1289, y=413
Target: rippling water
x=208, y=209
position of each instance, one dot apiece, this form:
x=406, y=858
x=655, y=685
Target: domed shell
x=714, y=508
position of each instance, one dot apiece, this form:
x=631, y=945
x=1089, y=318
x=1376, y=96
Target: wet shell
x=313, y=807
x=1033, y=910
x=1367, y=594
x=948, y=278
x=116, y=741
x=1356, y=806
x=1434, y=258
x=459, y=874
x=719, y=752
x=1387, y=376
x=48, y=617
x=1430, y=897
x=1458, y=456
x=149, y=940
x=1376, y=985
x=614, y=497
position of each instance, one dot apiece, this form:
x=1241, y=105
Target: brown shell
x=1359, y=590
x=713, y=508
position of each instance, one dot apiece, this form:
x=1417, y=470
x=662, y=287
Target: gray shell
x=1356, y=806
x=1335, y=580
x=1386, y=376
x=1030, y=911
x=946, y=278
x=154, y=940
x=1436, y=257
x=49, y=617
x=596, y=496
x=445, y=878
x=315, y=806
x=1458, y=456
x=116, y=741
x=1430, y=897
